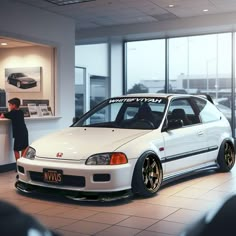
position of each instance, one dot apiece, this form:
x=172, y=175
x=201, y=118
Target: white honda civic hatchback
x=129, y=145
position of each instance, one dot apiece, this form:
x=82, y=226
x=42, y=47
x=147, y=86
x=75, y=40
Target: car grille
x=68, y=180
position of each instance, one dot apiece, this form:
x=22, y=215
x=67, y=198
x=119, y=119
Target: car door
x=185, y=147
x=212, y=120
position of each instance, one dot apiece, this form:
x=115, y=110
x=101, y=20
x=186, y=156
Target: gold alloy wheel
x=229, y=155
x=151, y=173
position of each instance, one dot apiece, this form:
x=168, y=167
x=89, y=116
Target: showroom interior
x=86, y=52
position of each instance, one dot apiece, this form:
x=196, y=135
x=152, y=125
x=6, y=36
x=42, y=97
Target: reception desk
x=37, y=127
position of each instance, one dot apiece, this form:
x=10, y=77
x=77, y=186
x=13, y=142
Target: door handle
x=200, y=133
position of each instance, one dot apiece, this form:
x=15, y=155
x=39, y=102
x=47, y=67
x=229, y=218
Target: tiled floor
x=165, y=214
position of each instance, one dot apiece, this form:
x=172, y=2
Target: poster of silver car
x=25, y=79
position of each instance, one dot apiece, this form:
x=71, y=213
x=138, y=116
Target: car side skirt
x=190, y=172
x=189, y=154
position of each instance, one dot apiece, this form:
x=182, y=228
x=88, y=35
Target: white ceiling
x=102, y=13
x=107, y=13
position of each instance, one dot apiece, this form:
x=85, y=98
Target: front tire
x=226, y=156
x=18, y=84
x=147, y=177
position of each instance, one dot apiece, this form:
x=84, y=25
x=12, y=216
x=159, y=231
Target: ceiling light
x=171, y=5
x=4, y=44
x=67, y=2
x=205, y=10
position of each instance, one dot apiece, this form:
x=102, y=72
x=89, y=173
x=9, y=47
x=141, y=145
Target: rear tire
x=226, y=156
x=147, y=177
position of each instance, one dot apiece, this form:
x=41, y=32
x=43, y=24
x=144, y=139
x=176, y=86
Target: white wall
x=116, y=68
x=93, y=57
x=31, y=24
x=32, y=56
x=103, y=60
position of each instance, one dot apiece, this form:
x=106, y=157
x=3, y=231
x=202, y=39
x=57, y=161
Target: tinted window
x=181, y=109
x=181, y=104
x=208, y=112
x=128, y=113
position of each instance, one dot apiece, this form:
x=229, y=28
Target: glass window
x=208, y=112
x=145, y=68
x=130, y=112
x=181, y=109
x=126, y=113
x=181, y=104
x=202, y=65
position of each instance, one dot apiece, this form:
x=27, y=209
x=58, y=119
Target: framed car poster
x=23, y=79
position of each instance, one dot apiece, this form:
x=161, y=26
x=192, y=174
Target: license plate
x=52, y=176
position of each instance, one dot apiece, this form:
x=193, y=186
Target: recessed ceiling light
x=4, y=44
x=67, y=2
x=205, y=10
x=171, y=5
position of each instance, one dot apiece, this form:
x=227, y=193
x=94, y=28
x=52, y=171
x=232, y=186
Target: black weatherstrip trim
x=188, y=154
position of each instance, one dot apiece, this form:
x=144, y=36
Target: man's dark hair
x=15, y=101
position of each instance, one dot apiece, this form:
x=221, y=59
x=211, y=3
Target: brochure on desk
x=41, y=110
x=33, y=110
x=44, y=110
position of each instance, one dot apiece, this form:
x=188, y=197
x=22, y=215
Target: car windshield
x=20, y=75
x=126, y=113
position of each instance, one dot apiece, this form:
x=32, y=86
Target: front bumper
x=75, y=195
x=76, y=176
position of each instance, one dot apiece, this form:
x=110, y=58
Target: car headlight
x=30, y=153
x=114, y=158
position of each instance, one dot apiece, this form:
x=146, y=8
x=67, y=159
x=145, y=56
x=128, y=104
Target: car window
x=104, y=115
x=157, y=107
x=130, y=112
x=127, y=113
x=208, y=112
x=181, y=109
x=182, y=104
x=20, y=75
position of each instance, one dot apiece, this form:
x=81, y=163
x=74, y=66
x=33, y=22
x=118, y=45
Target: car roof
x=167, y=95
x=154, y=95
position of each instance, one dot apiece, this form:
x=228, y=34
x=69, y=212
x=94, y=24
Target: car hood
x=77, y=143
